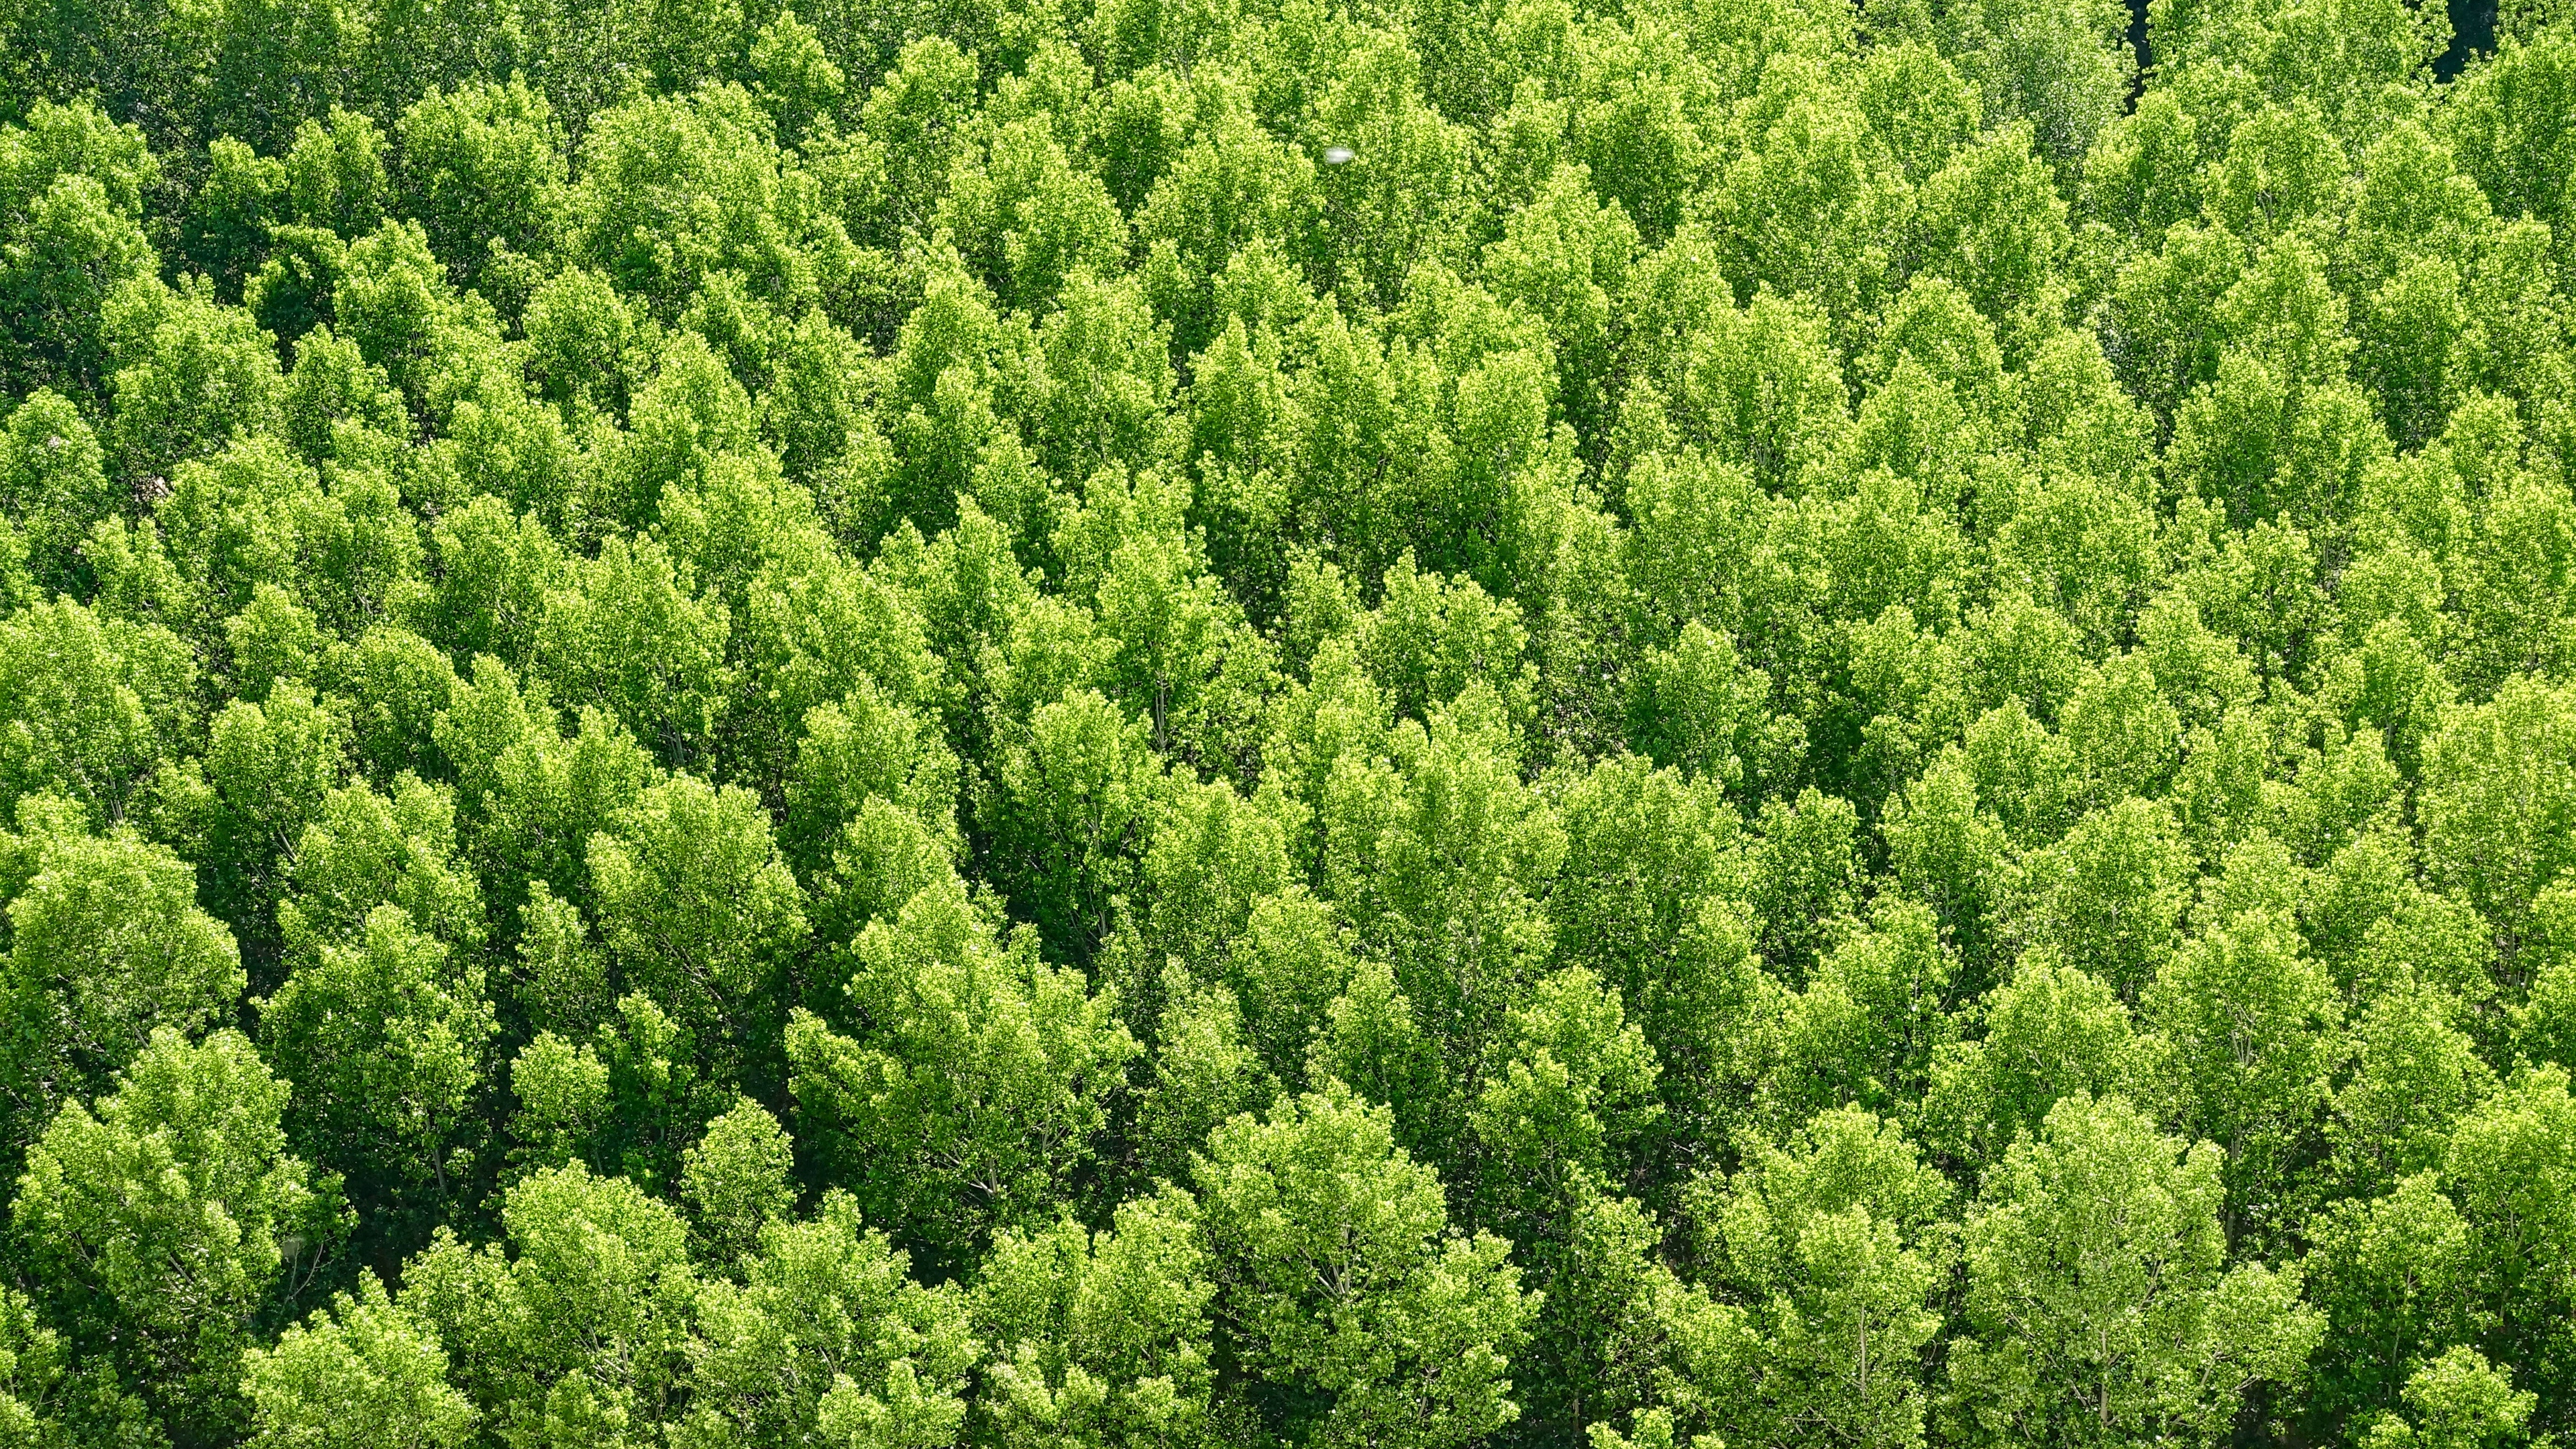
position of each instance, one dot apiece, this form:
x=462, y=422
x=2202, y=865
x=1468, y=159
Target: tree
x=2051, y=1031
x=1442, y=868
x=1204, y=1069
x=828, y=1337
x=1071, y=809
x=533, y=796
x=1866, y=1028
x=68, y=213
x=872, y=785
x=1699, y=708
x=169, y=1217
x=1567, y=1103
x=1340, y=1292
x=1745, y=645
x=188, y=377
x=1807, y=886
x=367, y=850
x=1618, y=1335
x=2110, y=894
x=53, y=483
x=580, y=1323
x=636, y=213
x=2503, y=1166
x=1838, y=1244
x=635, y=1095
x=2250, y=1026
x=95, y=706
x=1100, y=1339
x=2414, y=1075
x=385, y=1038
x=353, y=1373
x=696, y=909
x=976, y=1085
x=2099, y=1297
x=481, y=168
x=2496, y=786
x=2065, y=70
x=736, y=1181
x=626, y=635
x=2458, y=1400
x=30, y=1363
x=2394, y=1278
x=106, y=947
x=267, y=773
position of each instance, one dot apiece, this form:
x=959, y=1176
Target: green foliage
x=2458, y=1399
x=974, y=1095
x=2099, y=1295
x=106, y=945
x=353, y=1374
x=168, y=1219
x=384, y=1040
x=1339, y=1283
x=1839, y=1242
x=1255, y=724
x=1100, y=1340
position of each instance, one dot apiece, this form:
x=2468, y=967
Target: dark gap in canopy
x=2473, y=27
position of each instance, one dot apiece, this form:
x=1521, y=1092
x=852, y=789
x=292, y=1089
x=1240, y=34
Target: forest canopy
x=1654, y=724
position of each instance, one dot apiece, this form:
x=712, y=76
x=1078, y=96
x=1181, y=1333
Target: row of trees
x=1681, y=723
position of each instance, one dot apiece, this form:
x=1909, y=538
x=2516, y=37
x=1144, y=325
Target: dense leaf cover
x=1243, y=722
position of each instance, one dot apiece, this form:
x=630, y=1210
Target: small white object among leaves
x=1336, y=155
